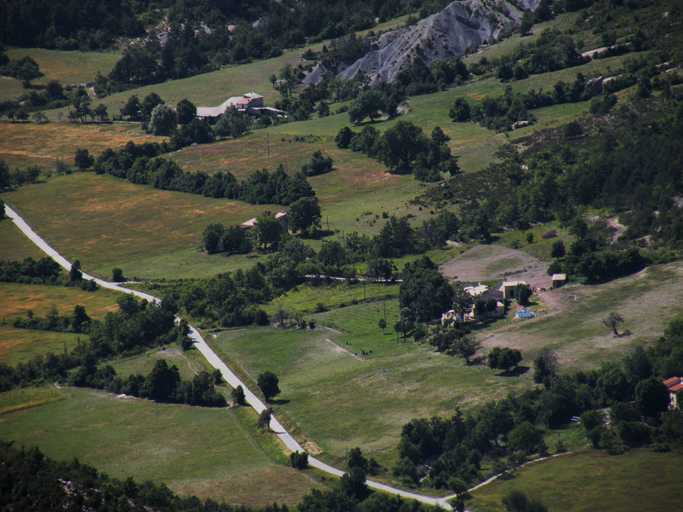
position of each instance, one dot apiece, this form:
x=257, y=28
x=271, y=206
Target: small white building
x=481, y=291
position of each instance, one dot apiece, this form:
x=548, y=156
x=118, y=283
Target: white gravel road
x=228, y=375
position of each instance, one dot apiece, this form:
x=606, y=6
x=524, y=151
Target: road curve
x=228, y=375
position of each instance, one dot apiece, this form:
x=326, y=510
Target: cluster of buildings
x=250, y=104
x=484, y=293
x=506, y=291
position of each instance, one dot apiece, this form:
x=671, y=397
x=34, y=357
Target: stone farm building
x=280, y=216
x=508, y=288
x=250, y=104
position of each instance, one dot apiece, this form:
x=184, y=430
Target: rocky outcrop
x=444, y=35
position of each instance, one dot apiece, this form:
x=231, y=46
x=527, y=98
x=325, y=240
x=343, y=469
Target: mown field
x=349, y=385
x=636, y=481
x=16, y=300
x=216, y=453
x=647, y=301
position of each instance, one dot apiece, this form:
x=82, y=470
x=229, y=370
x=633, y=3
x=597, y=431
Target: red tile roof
x=672, y=381
x=676, y=388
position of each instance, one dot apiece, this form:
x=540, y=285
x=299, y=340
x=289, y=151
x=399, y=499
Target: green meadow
x=587, y=480
x=346, y=384
x=216, y=453
x=66, y=67
x=105, y=222
x=14, y=245
x=16, y=300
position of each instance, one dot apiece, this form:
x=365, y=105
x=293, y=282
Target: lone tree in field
x=612, y=321
x=382, y=324
x=268, y=383
x=264, y=419
x=117, y=275
x=305, y=215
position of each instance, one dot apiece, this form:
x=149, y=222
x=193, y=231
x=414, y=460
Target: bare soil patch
x=490, y=262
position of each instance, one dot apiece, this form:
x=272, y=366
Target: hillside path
x=228, y=375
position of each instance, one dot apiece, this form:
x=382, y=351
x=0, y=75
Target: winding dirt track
x=228, y=375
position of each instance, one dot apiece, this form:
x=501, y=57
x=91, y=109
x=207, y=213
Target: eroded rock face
x=443, y=35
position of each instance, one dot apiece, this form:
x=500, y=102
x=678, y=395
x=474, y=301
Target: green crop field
x=20, y=345
x=359, y=387
x=647, y=301
x=213, y=453
x=14, y=245
x=25, y=144
x=636, y=481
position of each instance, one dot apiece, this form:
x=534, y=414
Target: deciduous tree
x=612, y=321
x=304, y=214
x=268, y=383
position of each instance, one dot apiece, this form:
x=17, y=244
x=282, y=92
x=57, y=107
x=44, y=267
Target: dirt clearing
x=491, y=262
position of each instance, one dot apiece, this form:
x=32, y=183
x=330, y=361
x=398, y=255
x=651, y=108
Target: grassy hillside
x=647, y=301
x=348, y=385
x=20, y=345
x=118, y=224
x=193, y=450
x=25, y=144
x=638, y=480
x=66, y=67
x=106, y=222
x=14, y=245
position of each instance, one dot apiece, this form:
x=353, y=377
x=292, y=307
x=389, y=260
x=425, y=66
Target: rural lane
x=228, y=375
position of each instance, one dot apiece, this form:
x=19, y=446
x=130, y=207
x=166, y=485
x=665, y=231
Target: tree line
x=44, y=271
x=141, y=164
